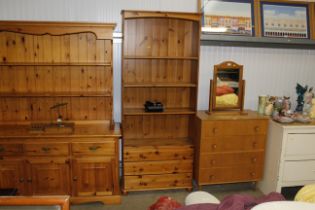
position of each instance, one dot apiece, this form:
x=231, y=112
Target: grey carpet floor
x=142, y=200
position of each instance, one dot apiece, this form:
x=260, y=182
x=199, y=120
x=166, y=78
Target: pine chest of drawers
x=229, y=147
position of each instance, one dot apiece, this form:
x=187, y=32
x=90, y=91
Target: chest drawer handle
x=252, y=174
x=211, y=177
x=75, y=178
x=94, y=148
x=2, y=149
x=254, y=144
x=21, y=180
x=214, y=130
x=214, y=146
x=254, y=160
x=257, y=128
x=46, y=149
x=213, y=162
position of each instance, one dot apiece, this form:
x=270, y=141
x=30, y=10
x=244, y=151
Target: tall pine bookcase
x=160, y=63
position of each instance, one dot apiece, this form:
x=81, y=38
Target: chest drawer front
x=231, y=159
x=300, y=145
x=160, y=181
x=11, y=149
x=94, y=148
x=145, y=153
x=232, y=143
x=234, y=127
x=158, y=167
x=230, y=174
x=47, y=149
x=299, y=170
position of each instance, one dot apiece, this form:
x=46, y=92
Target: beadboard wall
x=266, y=70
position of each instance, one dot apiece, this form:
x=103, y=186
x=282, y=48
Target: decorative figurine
x=312, y=112
x=308, y=96
x=286, y=107
x=300, y=90
x=269, y=105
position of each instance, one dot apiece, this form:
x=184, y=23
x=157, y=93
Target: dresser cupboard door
x=94, y=176
x=12, y=174
x=48, y=176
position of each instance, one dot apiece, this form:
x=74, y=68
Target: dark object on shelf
x=8, y=191
x=300, y=90
x=150, y=106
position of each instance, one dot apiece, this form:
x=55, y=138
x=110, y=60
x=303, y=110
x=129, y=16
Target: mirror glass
x=227, y=86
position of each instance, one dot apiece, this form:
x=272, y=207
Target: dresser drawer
x=232, y=143
x=299, y=170
x=231, y=159
x=230, y=174
x=300, y=145
x=158, y=167
x=94, y=148
x=234, y=127
x=11, y=149
x=145, y=153
x=46, y=149
x=161, y=181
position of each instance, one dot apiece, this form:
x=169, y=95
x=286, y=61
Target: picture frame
x=285, y=20
x=229, y=17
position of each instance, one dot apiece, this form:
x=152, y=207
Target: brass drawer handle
x=94, y=148
x=2, y=149
x=45, y=149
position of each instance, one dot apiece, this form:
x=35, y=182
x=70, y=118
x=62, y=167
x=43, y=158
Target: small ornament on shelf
x=300, y=90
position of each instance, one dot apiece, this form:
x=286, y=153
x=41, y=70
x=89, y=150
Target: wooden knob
x=214, y=130
x=45, y=149
x=254, y=160
x=94, y=148
x=213, y=162
x=2, y=149
x=214, y=146
x=256, y=128
x=29, y=180
x=254, y=144
x=21, y=180
x=75, y=178
x=252, y=174
x=211, y=177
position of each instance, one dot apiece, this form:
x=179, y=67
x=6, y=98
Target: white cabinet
x=290, y=157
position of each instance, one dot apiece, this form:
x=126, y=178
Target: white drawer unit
x=290, y=156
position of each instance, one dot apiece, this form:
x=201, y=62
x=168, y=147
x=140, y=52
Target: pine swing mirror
x=227, y=88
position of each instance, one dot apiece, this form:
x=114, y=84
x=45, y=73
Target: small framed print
x=230, y=17
x=285, y=20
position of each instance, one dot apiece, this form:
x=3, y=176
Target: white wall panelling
x=267, y=71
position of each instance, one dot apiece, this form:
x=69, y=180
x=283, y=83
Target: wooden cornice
x=101, y=30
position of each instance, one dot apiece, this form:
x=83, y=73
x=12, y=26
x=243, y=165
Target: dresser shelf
x=160, y=85
x=161, y=57
x=169, y=111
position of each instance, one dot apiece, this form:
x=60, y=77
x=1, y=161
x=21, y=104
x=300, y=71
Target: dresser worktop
x=94, y=129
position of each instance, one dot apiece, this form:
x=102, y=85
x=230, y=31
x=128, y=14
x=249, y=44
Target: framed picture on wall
x=230, y=17
x=285, y=20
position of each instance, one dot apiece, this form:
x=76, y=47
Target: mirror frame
x=226, y=66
